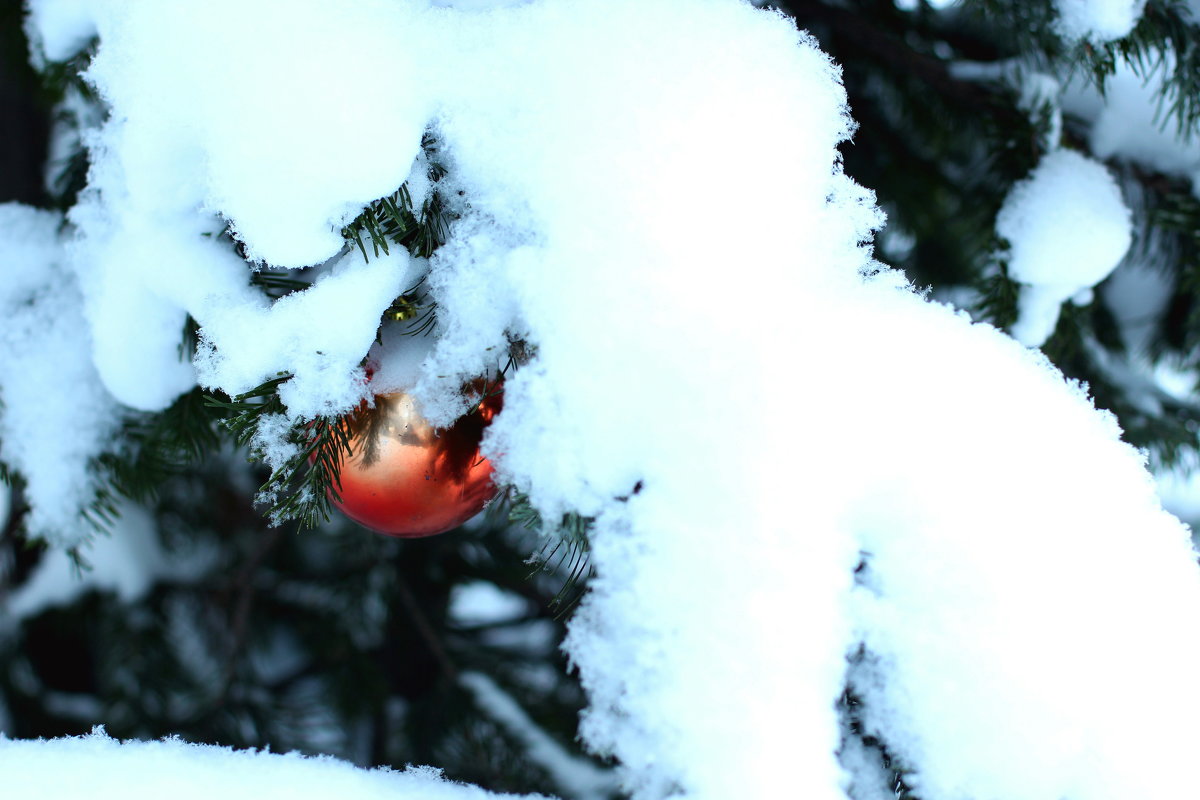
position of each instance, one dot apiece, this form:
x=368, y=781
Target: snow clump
x=1068, y=228
x=1131, y=120
x=1097, y=21
x=55, y=416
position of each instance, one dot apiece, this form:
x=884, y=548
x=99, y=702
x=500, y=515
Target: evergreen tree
x=285, y=625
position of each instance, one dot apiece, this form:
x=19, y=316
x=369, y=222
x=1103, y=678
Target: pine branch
x=158, y=446
x=1166, y=26
x=277, y=284
x=415, y=309
x=304, y=480
x=567, y=543
x=394, y=219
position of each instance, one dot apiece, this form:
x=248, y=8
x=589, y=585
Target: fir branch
x=567, y=543
x=304, y=481
x=277, y=284
x=157, y=446
x=60, y=77
x=414, y=309
x=998, y=298
x=394, y=220
x=1166, y=26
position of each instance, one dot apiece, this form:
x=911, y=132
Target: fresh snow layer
x=1097, y=21
x=55, y=415
x=100, y=768
x=1068, y=228
x=800, y=474
x=58, y=29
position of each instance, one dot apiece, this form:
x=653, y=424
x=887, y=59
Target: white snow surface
x=286, y=158
x=793, y=466
x=55, y=415
x=101, y=768
x=1068, y=227
x=1097, y=20
x=58, y=29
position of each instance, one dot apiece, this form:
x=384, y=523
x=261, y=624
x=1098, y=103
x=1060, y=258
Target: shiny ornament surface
x=406, y=478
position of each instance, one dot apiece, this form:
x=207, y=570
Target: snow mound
x=1097, y=21
x=55, y=416
x=99, y=768
x=1068, y=228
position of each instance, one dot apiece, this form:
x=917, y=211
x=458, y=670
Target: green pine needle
x=304, y=484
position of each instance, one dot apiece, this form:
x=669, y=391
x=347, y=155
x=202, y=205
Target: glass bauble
x=405, y=477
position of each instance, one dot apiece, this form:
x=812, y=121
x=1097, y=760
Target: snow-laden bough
x=845, y=490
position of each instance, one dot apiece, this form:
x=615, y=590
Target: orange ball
x=406, y=478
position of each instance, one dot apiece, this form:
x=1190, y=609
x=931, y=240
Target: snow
x=1130, y=121
x=802, y=473
x=319, y=335
x=1067, y=227
x=55, y=416
x=484, y=603
x=58, y=29
x=174, y=161
x=98, y=767
x=1097, y=21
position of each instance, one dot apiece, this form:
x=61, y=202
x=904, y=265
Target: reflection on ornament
x=406, y=478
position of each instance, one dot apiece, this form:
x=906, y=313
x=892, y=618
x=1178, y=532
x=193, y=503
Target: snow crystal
x=1097, y=20
x=100, y=768
x=55, y=416
x=1068, y=228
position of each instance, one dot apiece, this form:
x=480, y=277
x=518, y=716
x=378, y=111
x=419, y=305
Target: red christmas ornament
x=406, y=478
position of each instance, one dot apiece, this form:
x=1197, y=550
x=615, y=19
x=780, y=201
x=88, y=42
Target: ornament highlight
x=406, y=478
